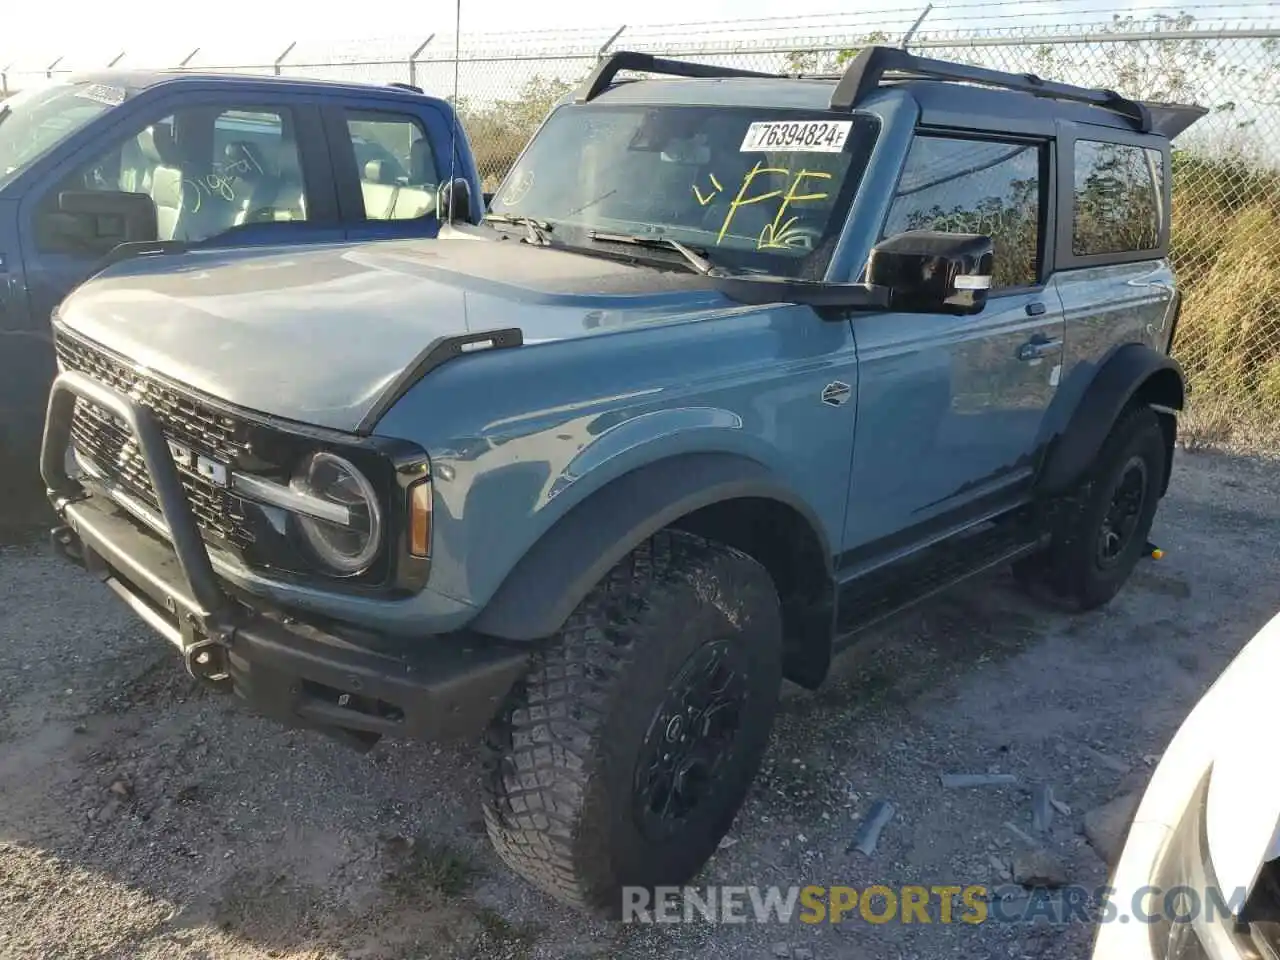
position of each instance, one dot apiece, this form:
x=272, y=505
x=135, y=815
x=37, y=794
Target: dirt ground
x=142, y=818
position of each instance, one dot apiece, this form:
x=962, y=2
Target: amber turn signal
x=420, y=519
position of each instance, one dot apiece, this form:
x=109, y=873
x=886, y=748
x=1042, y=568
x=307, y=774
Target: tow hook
x=206, y=660
x=64, y=543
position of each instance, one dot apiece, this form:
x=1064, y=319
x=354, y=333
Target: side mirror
x=97, y=221
x=930, y=272
x=453, y=201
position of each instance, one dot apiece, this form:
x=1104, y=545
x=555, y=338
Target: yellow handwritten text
x=742, y=200
x=704, y=199
x=780, y=233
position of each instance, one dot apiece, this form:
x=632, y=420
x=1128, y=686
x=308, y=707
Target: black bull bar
x=439, y=686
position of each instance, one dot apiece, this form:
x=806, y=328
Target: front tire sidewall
x=677, y=627
x=562, y=806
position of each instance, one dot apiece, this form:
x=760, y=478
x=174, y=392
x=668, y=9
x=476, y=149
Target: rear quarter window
x=1116, y=205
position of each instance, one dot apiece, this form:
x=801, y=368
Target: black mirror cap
x=454, y=201
x=927, y=271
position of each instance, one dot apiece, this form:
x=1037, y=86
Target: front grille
x=187, y=420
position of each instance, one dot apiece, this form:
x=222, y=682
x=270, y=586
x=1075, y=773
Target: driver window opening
x=207, y=170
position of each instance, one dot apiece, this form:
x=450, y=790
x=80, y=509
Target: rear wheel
x=1100, y=532
x=624, y=754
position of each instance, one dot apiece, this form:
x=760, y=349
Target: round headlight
x=348, y=548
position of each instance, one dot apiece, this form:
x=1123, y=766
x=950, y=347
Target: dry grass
x=1226, y=243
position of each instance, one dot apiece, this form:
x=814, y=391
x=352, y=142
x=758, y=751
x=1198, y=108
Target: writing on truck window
x=221, y=182
x=780, y=232
x=765, y=191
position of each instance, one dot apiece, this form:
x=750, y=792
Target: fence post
x=604, y=48
x=48, y=71
x=188, y=58
x=413, y=60
x=911, y=30
x=4, y=79
x=280, y=59
x=118, y=57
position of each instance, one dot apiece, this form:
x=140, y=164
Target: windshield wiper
x=537, y=232
x=694, y=259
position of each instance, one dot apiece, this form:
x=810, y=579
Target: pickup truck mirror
x=97, y=221
x=926, y=271
x=453, y=201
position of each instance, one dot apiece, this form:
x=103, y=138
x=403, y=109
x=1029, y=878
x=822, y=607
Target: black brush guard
x=303, y=675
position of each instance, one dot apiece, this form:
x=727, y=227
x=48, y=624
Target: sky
x=89, y=33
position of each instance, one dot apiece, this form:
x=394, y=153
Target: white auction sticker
x=799, y=136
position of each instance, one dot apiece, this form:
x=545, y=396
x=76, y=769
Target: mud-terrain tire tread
x=546, y=743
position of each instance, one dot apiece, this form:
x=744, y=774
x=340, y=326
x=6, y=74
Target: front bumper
x=355, y=685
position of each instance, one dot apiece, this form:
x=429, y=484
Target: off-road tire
x=560, y=779
x=1070, y=567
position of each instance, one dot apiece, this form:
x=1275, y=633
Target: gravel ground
x=143, y=818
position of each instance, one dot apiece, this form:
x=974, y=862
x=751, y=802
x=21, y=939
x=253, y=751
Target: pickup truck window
x=206, y=169
x=976, y=186
x=755, y=188
x=398, y=175
x=36, y=121
x=1117, y=209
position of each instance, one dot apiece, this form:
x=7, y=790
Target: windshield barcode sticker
x=800, y=136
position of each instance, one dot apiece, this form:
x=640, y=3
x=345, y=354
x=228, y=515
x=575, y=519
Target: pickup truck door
x=950, y=407
x=223, y=169
x=26, y=360
x=389, y=157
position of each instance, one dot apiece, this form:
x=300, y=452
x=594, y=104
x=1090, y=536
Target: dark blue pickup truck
x=203, y=160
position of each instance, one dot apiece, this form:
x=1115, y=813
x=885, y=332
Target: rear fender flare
x=1131, y=372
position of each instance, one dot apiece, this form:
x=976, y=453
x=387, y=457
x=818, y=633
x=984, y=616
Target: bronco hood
x=319, y=333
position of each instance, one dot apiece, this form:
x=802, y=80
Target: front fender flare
x=1130, y=370
x=561, y=568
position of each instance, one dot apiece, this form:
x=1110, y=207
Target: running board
x=886, y=591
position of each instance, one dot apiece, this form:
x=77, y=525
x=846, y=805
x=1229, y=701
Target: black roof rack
x=603, y=75
x=412, y=88
x=874, y=64
x=870, y=66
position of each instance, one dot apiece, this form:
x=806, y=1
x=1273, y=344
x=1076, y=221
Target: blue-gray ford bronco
x=738, y=365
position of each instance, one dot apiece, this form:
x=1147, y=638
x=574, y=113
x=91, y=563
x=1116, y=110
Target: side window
x=976, y=186
x=254, y=168
x=398, y=174
x=205, y=169
x=1116, y=205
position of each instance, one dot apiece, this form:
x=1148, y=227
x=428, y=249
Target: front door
x=220, y=172
x=387, y=169
x=950, y=407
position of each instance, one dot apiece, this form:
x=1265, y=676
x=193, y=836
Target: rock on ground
x=1108, y=825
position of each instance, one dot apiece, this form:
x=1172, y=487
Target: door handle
x=1037, y=347
x=1035, y=308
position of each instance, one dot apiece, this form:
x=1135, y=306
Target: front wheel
x=622, y=757
x=1101, y=530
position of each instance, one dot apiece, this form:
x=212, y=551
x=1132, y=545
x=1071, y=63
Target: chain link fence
x=1226, y=175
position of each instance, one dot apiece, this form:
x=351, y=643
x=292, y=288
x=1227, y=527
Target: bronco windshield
x=35, y=121
x=755, y=190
